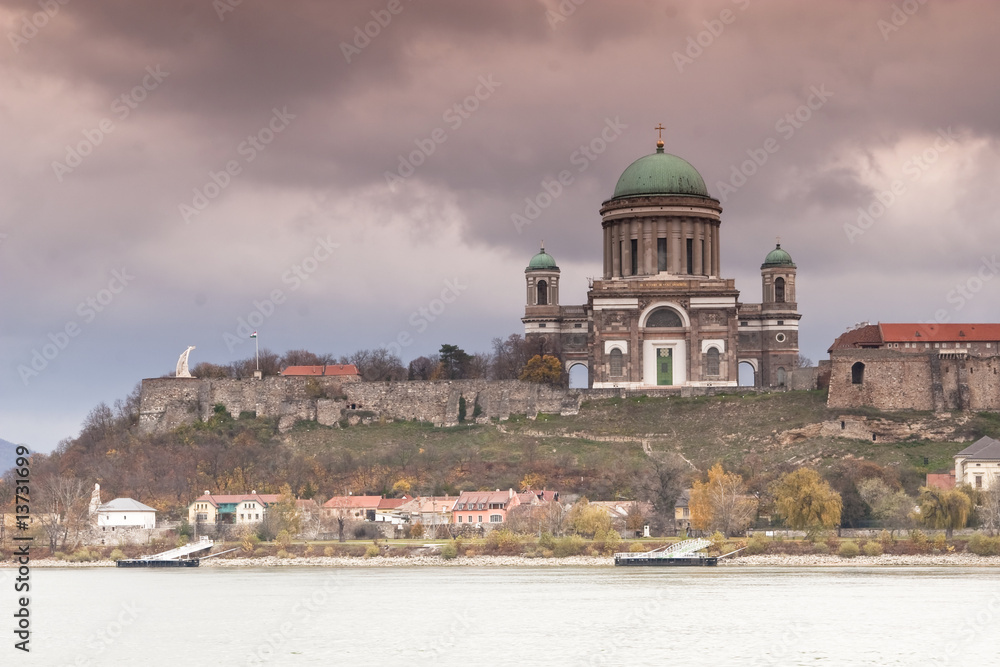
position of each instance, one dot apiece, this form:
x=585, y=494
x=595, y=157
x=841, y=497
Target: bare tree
x=305, y=358
x=422, y=368
x=377, y=365
x=509, y=357
x=989, y=511
x=63, y=502
x=661, y=484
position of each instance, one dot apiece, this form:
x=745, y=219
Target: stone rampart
x=167, y=403
x=892, y=380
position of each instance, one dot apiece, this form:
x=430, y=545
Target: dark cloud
x=554, y=84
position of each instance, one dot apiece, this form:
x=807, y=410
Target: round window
x=780, y=338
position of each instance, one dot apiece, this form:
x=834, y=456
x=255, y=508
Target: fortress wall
x=166, y=403
x=896, y=380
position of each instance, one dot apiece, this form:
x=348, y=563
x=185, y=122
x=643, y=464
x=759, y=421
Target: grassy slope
x=703, y=429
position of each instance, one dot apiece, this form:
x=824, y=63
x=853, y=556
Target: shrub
x=570, y=545
x=758, y=544
x=373, y=550
x=718, y=541
x=449, y=551
x=249, y=543
x=328, y=551
x=285, y=554
x=283, y=539
x=848, y=549
x=821, y=548
x=503, y=541
x=885, y=537
x=260, y=552
x=59, y=555
x=546, y=541
x=117, y=555
x=309, y=550
x=940, y=542
x=607, y=541
x=918, y=537
x=367, y=531
x=873, y=548
x=982, y=545
x=416, y=531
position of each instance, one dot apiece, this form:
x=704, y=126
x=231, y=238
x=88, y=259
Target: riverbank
x=816, y=560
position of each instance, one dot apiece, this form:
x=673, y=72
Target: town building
x=663, y=314
x=125, y=513
x=353, y=508
x=428, y=510
x=978, y=465
x=246, y=508
x=484, y=507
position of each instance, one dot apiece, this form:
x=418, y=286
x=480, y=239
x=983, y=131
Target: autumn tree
x=635, y=520
x=587, y=520
x=890, y=506
x=721, y=503
x=806, y=502
x=660, y=482
x=543, y=370
x=941, y=508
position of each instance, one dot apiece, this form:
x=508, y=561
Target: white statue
x=182, y=364
x=95, y=503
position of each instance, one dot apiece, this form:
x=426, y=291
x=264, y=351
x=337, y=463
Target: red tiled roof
x=392, y=503
x=866, y=336
x=971, y=333
x=487, y=497
x=331, y=370
x=353, y=502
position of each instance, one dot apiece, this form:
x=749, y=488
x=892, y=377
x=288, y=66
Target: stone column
x=715, y=249
x=674, y=249
x=649, y=249
x=615, y=258
x=710, y=250
x=698, y=229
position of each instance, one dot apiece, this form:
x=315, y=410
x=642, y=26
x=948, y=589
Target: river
x=508, y=616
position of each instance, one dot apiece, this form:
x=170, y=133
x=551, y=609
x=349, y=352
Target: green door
x=664, y=366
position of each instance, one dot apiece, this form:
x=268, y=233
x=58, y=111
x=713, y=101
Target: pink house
x=479, y=507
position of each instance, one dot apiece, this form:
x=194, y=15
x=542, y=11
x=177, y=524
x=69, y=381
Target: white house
x=979, y=464
x=125, y=513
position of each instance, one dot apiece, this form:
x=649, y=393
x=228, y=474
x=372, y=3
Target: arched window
x=779, y=290
x=616, y=363
x=664, y=317
x=712, y=362
x=857, y=373
x=781, y=376
x=543, y=293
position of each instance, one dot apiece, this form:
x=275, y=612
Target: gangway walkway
x=181, y=552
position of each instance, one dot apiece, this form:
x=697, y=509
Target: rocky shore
x=926, y=560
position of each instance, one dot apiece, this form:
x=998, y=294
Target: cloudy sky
x=168, y=169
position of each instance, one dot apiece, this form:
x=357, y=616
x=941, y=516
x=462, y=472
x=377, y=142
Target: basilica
x=662, y=314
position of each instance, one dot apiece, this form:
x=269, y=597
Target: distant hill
x=7, y=455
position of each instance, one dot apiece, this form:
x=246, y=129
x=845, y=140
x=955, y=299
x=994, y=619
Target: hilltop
x=8, y=454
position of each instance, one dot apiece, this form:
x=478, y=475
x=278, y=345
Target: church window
x=781, y=323
x=634, y=248
x=712, y=362
x=690, y=256
x=616, y=363
x=781, y=376
x=664, y=317
x=543, y=293
x=744, y=323
x=661, y=255
x=780, y=337
x=542, y=325
x=578, y=326
x=779, y=290
x=857, y=373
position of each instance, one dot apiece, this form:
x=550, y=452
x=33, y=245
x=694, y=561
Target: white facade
x=126, y=513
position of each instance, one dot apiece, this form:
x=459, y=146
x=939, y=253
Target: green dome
x=660, y=174
x=777, y=257
x=542, y=260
